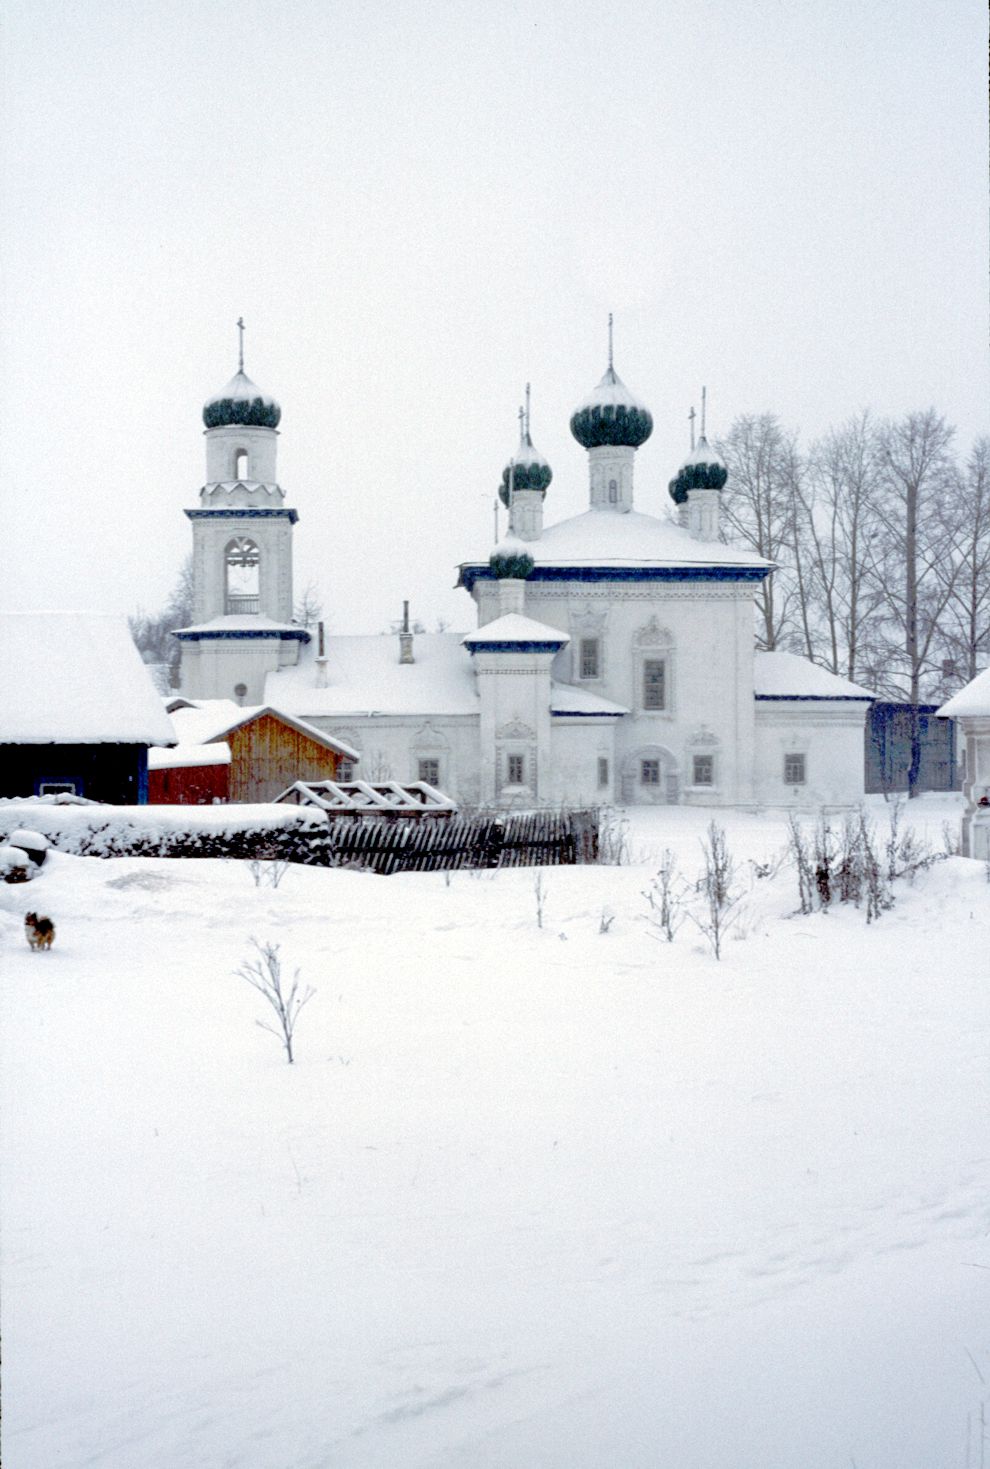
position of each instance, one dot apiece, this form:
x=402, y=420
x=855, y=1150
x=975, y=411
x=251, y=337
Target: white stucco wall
x=830, y=736
x=223, y=445
x=213, y=668
x=391, y=747
x=273, y=537
x=576, y=746
x=704, y=632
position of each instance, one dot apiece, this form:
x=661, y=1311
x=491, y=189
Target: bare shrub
x=540, y=894
x=719, y=908
x=613, y=838
x=798, y=847
x=264, y=974
x=269, y=866
x=605, y=920
x=665, y=897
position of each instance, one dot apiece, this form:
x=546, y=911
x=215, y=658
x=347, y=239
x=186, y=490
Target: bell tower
x=242, y=551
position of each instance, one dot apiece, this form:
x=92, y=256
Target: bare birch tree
x=966, y=626
x=758, y=508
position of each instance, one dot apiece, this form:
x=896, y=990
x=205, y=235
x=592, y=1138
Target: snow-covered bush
x=15, y=865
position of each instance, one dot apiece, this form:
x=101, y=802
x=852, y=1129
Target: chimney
x=405, y=637
x=321, y=657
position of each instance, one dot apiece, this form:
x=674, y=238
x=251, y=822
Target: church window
x=649, y=772
x=654, y=683
x=794, y=770
x=590, y=657
x=345, y=769
x=429, y=770
x=704, y=770
x=515, y=769
x=602, y=771
x=242, y=564
x=241, y=464
x=613, y=492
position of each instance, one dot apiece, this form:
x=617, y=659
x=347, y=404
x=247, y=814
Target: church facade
x=613, y=660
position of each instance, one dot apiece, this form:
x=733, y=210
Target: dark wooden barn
x=78, y=708
x=888, y=749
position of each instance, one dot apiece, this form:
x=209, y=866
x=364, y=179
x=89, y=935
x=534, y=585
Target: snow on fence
x=536, y=839
x=381, y=843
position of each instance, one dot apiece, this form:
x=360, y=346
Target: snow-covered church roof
x=364, y=676
x=787, y=676
x=76, y=678
x=614, y=540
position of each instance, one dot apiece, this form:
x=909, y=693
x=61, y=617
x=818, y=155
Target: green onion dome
x=241, y=402
x=611, y=415
x=529, y=470
x=510, y=559
x=703, y=469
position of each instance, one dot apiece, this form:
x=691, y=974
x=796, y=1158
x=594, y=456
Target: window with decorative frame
x=649, y=772
x=795, y=769
x=703, y=770
x=654, y=683
x=515, y=769
x=590, y=658
x=429, y=770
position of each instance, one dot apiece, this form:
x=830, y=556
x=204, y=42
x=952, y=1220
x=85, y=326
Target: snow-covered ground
x=529, y=1199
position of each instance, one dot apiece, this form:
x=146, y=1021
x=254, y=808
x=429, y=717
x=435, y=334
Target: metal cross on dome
x=240, y=346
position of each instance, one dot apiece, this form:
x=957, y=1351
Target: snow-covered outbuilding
x=614, y=657
x=78, y=708
x=229, y=752
x=971, y=710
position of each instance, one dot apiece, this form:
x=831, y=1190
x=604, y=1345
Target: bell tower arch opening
x=242, y=577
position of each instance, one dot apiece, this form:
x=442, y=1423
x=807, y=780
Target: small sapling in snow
x=264, y=974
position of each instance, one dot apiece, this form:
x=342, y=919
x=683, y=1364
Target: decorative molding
x=428, y=737
x=472, y=573
x=515, y=729
x=588, y=623
x=652, y=635
x=703, y=737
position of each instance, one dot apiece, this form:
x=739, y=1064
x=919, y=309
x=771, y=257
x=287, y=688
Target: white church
x=613, y=659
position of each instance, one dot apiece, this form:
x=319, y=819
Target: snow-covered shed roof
x=76, y=678
x=364, y=676
x=184, y=757
x=787, y=676
x=974, y=699
x=609, y=539
x=206, y=720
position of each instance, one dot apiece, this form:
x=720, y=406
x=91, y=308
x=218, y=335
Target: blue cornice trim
x=471, y=574
x=246, y=512
x=515, y=647
x=586, y=714
x=814, y=698
x=286, y=634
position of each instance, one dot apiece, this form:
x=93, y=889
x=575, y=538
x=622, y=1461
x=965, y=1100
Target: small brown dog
x=39, y=931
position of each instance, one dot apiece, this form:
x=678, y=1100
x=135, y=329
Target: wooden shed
x=78, y=708
x=268, y=751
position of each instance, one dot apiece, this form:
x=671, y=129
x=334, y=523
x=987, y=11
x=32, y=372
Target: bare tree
x=915, y=569
x=840, y=526
x=264, y=974
x=758, y=508
x=152, y=632
x=966, y=626
x=308, y=608
x=719, y=908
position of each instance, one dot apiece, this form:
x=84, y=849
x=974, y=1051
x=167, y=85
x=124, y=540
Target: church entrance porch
x=650, y=776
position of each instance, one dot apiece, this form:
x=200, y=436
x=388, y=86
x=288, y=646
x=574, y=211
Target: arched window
x=242, y=562
x=613, y=492
x=240, y=464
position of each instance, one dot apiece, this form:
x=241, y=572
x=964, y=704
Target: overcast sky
x=418, y=207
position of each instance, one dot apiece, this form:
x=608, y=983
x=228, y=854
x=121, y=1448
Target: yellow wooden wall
x=266, y=756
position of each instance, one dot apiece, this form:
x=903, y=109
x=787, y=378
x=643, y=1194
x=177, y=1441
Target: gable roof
x=76, y=678
x=974, y=699
x=203, y=721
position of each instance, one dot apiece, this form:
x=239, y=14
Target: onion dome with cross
x=703, y=469
x=241, y=401
x=528, y=470
x=611, y=414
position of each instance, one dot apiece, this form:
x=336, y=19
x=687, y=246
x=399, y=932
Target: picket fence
x=435, y=844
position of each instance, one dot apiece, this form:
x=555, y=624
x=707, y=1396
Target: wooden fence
x=429, y=844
